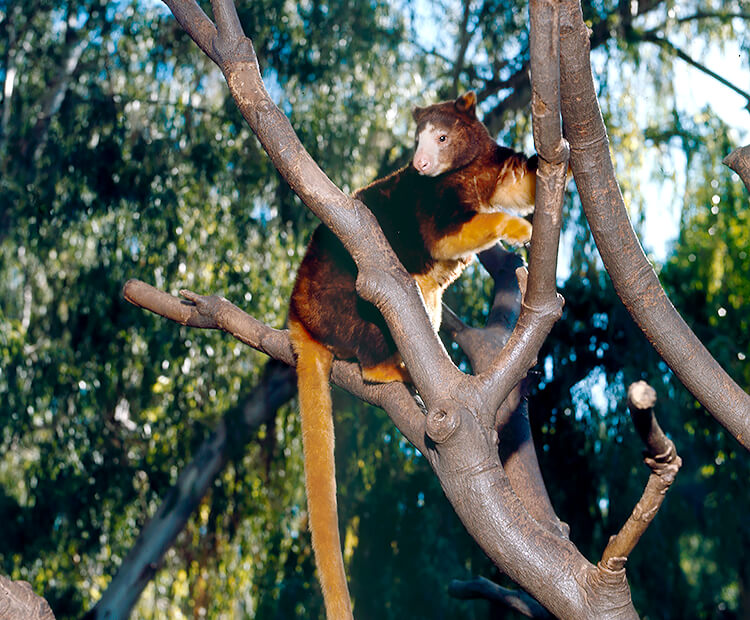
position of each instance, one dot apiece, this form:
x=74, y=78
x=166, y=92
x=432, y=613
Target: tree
x=523, y=538
x=91, y=446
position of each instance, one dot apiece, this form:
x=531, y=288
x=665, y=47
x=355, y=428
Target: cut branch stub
x=442, y=423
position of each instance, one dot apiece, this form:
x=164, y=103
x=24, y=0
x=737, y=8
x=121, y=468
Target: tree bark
x=18, y=602
x=632, y=275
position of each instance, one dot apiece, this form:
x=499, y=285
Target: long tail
x=313, y=371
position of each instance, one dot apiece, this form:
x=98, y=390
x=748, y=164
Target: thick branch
x=462, y=453
x=633, y=277
x=218, y=313
x=739, y=161
x=483, y=482
x=515, y=443
x=19, y=602
x=511, y=421
x=473, y=480
x=553, y=154
x=662, y=458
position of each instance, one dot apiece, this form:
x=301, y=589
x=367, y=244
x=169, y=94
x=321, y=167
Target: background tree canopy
x=122, y=155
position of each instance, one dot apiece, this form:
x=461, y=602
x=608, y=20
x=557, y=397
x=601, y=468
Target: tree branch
x=511, y=422
x=464, y=38
x=381, y=278
x=483, y=588
x=19, y=602
x=541, y=306
x=659, y=40
x=633, y=277
x=723, y=16
x=518, y=82
x=739, y=161
x=661, y=456
x=55, y=94
x=196, y=23
x=472, y=479
x=213, y=312
x=11, y=72
x=462, y=453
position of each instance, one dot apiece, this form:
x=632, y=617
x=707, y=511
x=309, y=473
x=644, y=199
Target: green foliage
x=122, y=156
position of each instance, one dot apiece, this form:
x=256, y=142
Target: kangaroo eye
x=442, y=138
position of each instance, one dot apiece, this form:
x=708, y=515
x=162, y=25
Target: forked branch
x=461, y=451
x=382, y=280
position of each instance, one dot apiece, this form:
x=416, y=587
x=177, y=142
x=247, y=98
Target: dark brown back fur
x=414, y=212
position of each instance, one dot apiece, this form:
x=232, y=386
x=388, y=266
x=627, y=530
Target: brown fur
x=435, y=225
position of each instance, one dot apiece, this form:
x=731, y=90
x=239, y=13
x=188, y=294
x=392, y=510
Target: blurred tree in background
x=121, y=155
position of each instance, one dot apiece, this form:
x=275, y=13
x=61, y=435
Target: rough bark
x=739, y=161
x=459, y=447
x=661, y=457
x=18, y=602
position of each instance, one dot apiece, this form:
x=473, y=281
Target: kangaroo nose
x=422, y=164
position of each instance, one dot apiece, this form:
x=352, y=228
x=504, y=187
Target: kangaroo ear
x=417, y=112
x=467, y=104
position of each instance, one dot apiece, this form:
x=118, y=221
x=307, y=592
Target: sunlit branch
x=460, y=450
x=214, y=312
x=19, y=602
x=381, y=278
x=541, y=306
x=661, y=457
